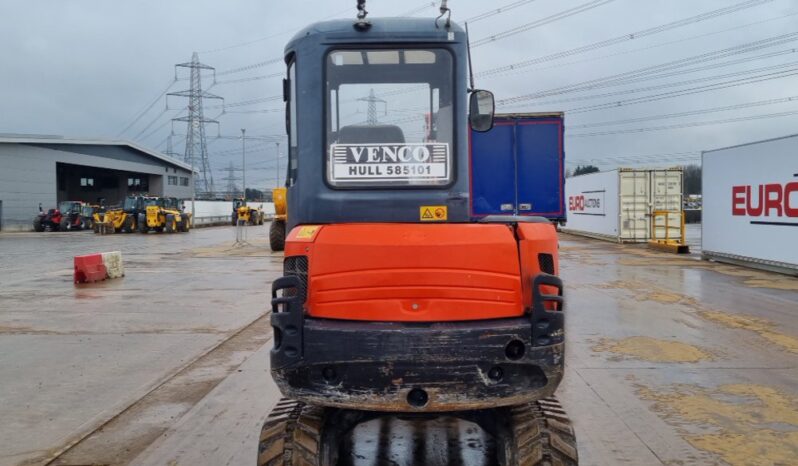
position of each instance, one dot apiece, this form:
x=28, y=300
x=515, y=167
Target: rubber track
x=543, y=435
x=291, y=435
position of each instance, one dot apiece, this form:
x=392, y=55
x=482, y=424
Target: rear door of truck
x=517, y=167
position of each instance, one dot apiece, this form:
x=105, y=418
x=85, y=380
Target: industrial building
x=49, y=169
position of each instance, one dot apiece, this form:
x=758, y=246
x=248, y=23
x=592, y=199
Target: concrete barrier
x=97, y=267
x=113, y=264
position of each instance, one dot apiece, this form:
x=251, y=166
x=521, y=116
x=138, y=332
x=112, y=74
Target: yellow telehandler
x=122, y=219
x=248, y=214
x=163, y=214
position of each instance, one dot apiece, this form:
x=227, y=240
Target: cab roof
x=382, y=30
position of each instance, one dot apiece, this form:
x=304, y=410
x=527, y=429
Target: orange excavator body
x=422, y=272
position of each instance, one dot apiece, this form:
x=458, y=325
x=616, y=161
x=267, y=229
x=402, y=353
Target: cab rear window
x=389, y=117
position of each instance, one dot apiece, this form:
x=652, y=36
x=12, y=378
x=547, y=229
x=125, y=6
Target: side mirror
x=481, y=107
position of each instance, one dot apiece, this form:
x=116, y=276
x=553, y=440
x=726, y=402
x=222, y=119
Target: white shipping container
x=220, y=210
x=618, y=205
x=750, y=204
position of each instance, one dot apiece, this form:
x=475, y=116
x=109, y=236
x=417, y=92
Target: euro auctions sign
x=750, y=203
x=389, y=164
x=767, y=204
x=587, y=203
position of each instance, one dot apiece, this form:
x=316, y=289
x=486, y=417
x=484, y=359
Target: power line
x=163, y=141
x=684, y=114
x=595, y=158
x=152, y=122
x=160, y=127
x=251, y=78
x=518, y=67
x=264, y=137
x=252, y=148
x=494, y=12
x=419, y=9
x=659, y=71
x=642, y=49
x=263, y=110
x=690, y=91
x=243, y=103
x=276, y=59
x=564, y=14
x=268, y=137
x=626, y=37
x=664, y=85
x=408, y=13
x=266, y=164
x=674, y=93
x=250, y=67
x=147, y=108
x=684, y=125
x=271, y=36
x=540, y=22
x=684, y=156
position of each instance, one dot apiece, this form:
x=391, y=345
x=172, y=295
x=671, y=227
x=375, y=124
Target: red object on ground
x=90, y=268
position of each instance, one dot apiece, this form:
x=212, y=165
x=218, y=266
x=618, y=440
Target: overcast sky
x=87, y=68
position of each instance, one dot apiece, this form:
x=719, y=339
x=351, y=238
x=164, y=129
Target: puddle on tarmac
x=580, y=255
x=643, y=291
x=250, y=249
x=658, y=262
x=751, y=277
x=759, y=279
x=759, y=326
x=664, y=297
x=652, y=349
x=743, y=424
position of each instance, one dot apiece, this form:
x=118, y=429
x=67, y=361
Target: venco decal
x=370, y=163
x=776, y=202
x=587, y=203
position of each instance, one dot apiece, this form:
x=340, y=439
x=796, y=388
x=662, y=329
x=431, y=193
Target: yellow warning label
x=307, y=232
x=433, y=213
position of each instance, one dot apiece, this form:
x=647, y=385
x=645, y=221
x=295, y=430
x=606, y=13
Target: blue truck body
x=517, y=168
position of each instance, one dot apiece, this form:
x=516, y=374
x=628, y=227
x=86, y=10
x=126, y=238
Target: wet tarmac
x=669, y=360
x=73, y=358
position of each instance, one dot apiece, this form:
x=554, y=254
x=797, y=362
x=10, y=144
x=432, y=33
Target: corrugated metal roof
x=42, y=139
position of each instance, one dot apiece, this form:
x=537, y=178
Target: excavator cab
x=392, y=300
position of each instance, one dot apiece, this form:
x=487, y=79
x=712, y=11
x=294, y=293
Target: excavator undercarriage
x=535, y=433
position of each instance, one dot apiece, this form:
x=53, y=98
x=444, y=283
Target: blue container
x=517, y=168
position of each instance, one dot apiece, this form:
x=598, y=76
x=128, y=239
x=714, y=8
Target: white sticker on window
x=377, y=164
